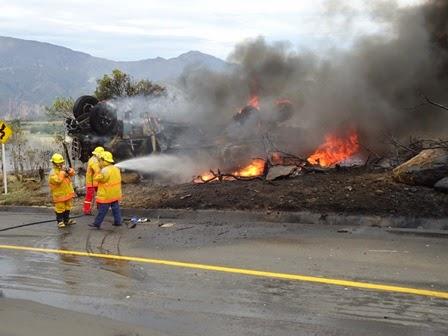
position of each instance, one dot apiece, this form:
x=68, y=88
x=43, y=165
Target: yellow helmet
x=107, y=156
x=57, y=158
x=98, y=150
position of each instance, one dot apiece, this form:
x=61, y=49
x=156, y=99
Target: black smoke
x=377, y=85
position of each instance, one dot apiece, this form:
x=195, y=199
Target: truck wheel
x=83, y=105
x=103, y=120
x=71, y=125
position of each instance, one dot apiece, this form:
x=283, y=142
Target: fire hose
x=34, y=223
x=133, y=222
x=67, y=155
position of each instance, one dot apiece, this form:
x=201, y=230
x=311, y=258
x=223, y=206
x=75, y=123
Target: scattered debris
x=279, y=172
x=344, y=230
x=426, y=168
x=134, y=220
x=185, y=196
x=166, y=225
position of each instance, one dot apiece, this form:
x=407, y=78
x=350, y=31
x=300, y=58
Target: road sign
x=5, y=132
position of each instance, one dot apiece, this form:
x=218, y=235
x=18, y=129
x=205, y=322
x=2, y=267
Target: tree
x=61, y=108
x=120, y=84
x=17, y=145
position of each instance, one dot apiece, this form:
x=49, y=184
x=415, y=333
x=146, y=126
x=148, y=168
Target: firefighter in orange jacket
x=93, y=168
x=109, y=190
x=61, y=190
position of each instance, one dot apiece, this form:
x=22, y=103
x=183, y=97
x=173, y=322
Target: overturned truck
x=99, y=123
x=128, y=133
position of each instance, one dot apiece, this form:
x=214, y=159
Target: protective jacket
x=93, y=168
x=61, y=184
x=109, y=184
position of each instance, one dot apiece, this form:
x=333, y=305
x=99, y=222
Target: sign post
x=5, y=133
x=5, y=180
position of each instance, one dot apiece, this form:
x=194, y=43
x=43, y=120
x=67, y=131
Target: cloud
x=137, y=29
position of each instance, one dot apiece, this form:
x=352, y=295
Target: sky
x=140, y=29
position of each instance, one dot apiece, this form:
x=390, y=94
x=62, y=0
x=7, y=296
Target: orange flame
x=255, y=168
x=254, y=101
x=204, y=177
x=335, y=149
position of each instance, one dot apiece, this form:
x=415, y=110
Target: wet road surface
x=181, y=301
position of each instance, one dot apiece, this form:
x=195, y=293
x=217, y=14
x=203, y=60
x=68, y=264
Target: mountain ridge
x=34, y=73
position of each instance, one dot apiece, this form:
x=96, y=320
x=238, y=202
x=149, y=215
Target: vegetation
x=24, y=156
x=62, y=107
x=24, y=193
x=116, y=84
x=47, y=128
x=120, y=84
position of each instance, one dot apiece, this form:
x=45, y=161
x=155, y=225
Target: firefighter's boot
x=60, y=220
x=67, y=219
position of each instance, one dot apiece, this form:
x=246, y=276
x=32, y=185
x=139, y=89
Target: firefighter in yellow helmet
x=109, y=190
x=93, y=168
x=61, y=190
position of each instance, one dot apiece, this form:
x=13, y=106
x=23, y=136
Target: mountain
x=34, y=73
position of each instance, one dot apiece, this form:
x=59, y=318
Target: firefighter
x=93, y=168
x=109, y=190
x=61, y=190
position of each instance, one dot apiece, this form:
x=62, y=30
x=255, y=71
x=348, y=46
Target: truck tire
x=83, y=105
x=103, y=120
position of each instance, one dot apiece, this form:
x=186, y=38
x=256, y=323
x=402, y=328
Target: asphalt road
x=192, y=299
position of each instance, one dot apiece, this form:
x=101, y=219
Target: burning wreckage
x=97, y=123
x=252, y=145
x=374, y=102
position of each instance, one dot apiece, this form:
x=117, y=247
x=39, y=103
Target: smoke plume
x=377, y=85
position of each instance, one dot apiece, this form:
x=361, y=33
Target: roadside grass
x=24, y=193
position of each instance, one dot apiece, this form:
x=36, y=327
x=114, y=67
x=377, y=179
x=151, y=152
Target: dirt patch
x=345, y=191
x=353, y=191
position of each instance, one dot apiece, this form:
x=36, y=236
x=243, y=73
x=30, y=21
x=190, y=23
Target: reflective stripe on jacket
x=93, y=168
x=109, y=185
x=61, y=185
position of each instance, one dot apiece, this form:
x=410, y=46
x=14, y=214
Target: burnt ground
x=351, y=191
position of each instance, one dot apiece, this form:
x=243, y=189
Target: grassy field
x=42, y=128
